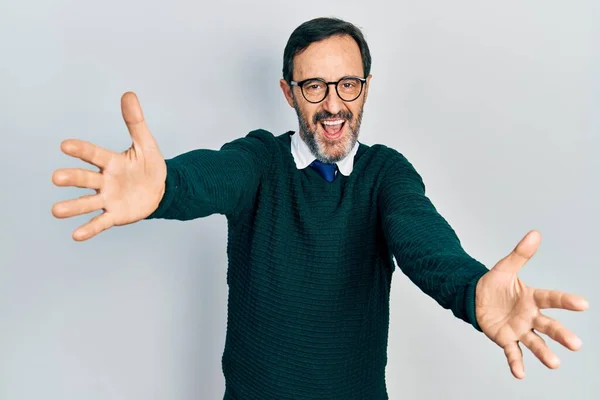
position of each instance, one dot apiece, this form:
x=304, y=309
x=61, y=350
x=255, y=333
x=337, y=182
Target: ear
x=367, y=84
x=287, y=92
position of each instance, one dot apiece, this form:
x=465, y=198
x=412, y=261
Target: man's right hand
x=129, y=185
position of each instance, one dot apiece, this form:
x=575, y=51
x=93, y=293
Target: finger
x=87, y=152
x=77, y=177
x=556, y=331
x=136, y=124
x=514, y=356
x=540, y=349
x=82, y=205
x=556, y=299
x=96, y=225
x=522, y=253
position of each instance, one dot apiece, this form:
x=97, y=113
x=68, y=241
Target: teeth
x=338, y=122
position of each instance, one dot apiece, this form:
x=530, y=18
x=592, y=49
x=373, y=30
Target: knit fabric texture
x=310, y=263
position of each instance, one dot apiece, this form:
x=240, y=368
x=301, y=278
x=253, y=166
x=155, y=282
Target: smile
x=333, y=127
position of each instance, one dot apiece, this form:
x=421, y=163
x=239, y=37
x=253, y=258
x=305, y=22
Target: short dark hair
x=319, y=29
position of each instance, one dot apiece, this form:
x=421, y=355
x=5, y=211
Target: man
x=315, y=220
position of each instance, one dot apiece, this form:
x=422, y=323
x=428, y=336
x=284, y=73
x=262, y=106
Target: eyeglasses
x=315, y=90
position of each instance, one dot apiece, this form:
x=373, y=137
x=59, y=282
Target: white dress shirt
x=303, y=156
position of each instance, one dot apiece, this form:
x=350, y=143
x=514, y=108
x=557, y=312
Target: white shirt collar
x=303, y=156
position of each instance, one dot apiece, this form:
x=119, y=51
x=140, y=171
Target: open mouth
x=333, y=127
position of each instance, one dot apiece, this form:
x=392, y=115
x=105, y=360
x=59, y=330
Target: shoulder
x=256, y=141
x=258, y=136
x=393, y=168
x=386, y=157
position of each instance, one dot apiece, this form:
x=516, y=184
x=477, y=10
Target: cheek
x=309, y=115
x=355, y=109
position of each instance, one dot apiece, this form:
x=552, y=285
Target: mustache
x=321, y=115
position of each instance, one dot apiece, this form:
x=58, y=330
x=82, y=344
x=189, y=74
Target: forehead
x=331, y=59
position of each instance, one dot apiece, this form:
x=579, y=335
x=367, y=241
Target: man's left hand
x=509, y=312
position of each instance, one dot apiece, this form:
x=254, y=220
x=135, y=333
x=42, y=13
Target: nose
x=332, y=103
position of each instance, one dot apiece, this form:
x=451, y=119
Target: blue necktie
x=327, y=171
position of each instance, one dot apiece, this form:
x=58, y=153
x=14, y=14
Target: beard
x=324, y=150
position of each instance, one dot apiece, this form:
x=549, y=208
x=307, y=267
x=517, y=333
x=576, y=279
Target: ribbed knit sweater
x=310, y=263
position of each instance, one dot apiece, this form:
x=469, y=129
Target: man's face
x=329, y=128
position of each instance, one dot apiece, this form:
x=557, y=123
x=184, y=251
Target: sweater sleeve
x=424, y=245
x=203, y=182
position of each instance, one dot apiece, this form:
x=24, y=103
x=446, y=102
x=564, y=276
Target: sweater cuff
x=470, y=303
x=171, y=186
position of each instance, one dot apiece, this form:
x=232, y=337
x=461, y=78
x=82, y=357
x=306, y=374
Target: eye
x=314, y=86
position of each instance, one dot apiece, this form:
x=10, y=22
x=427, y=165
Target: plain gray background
x=495, y=103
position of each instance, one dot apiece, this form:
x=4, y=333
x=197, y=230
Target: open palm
x=509, y=312
x=128, y=185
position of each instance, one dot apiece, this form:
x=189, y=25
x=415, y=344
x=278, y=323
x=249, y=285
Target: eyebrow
x=326, y=80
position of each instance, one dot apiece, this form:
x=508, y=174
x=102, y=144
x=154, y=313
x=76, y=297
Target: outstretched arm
x=137, y=183
x=495, y=301
x=424, y=245
x=204, y=182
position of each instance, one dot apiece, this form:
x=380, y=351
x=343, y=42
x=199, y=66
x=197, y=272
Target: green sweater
x=311, y=262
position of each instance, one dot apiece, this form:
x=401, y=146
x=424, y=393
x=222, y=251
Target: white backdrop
x=495, y=103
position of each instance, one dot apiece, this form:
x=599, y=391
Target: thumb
x=136, y=124
x=522, y=253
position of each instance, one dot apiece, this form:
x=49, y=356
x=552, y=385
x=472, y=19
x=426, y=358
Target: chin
x=327, y=149
x=334, y=150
